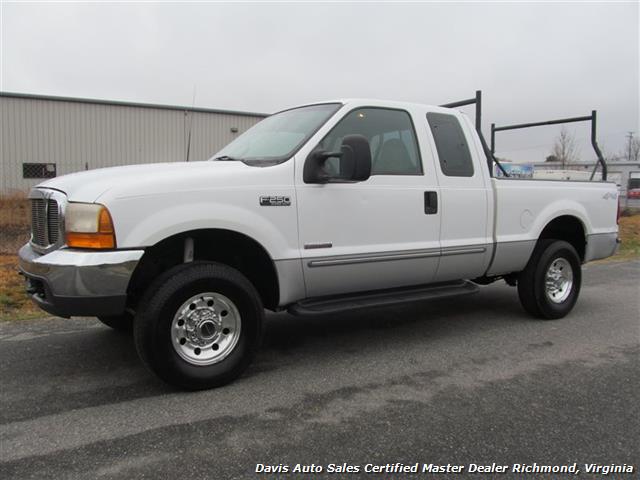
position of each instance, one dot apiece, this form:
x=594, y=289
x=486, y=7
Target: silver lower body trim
x=511, y=256
x=341, y=274
x=290, y=280
x=601, y=245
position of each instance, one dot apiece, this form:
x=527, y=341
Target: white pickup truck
x=317, y=209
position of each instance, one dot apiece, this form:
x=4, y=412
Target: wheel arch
x=229, y=247
x=568, y=228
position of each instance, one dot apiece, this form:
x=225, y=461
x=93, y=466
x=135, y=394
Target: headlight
x=89, y=225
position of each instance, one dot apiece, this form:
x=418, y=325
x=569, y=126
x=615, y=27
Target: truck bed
x=524, y=207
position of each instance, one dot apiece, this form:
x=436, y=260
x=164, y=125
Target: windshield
x=278, y=137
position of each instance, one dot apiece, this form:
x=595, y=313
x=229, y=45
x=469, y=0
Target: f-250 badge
x=274, y=201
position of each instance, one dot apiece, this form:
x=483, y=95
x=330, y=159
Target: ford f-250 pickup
x=317, y=209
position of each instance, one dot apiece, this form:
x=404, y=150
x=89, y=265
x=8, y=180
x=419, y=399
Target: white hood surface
x=150, y=179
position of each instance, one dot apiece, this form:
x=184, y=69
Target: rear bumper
x=79, y=283
x=601, y=245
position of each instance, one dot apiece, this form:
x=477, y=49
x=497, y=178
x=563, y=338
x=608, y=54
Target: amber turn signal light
x=90, y=240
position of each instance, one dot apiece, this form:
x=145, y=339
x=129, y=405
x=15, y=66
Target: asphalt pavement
x=454, y=381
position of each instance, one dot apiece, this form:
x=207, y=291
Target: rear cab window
x=451, y=145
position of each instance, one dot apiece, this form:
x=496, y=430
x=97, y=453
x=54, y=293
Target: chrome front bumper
x=70, y=282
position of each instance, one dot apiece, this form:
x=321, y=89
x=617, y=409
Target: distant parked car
x=633, y=193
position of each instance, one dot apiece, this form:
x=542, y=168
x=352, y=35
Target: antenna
x=193, y=105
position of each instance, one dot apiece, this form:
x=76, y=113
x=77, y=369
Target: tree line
x=565, y=150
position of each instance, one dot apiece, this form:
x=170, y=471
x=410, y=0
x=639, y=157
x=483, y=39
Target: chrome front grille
x=45, y=222
x=38, y=221
x=53, y=221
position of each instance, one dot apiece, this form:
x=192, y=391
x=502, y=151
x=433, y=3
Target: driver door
x=377, y=233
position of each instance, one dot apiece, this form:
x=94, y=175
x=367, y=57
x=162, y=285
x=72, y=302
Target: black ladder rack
x=588, y=118
x=490, y=152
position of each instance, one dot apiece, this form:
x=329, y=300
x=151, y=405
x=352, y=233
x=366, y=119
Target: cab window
x=392, y=139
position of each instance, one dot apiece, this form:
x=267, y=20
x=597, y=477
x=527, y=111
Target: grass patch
x=14, y=302
x=630, y=236
x=15, y=221
x=14, y=232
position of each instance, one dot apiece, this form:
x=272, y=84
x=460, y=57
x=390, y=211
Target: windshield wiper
x=227, y=158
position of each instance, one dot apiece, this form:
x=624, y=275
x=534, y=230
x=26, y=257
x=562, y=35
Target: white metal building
x=43, y=136
x=620, y=171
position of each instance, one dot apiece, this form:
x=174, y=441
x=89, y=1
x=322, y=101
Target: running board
x=381, y=298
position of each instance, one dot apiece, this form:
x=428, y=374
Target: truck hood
x=155, y=178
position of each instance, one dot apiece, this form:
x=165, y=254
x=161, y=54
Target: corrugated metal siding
x=76, y=135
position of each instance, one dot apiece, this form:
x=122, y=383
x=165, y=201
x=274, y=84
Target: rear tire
x=199, y=325
x=549, y=285
x=121, y=323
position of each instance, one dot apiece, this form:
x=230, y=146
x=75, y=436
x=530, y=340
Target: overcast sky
x=533, y=61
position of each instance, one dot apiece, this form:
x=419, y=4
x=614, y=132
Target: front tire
x=549, y=285
x=199, y=325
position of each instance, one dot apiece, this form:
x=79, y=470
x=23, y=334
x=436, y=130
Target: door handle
x=430, y=203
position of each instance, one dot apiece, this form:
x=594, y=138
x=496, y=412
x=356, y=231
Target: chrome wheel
x=559, y=280
x=206, y=328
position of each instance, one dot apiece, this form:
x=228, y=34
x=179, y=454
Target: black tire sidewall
x=555, y=250
x=153, y=326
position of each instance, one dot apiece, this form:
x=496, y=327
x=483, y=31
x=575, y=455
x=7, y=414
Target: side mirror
x=354, y=160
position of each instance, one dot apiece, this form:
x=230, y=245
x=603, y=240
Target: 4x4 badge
x=274, y=201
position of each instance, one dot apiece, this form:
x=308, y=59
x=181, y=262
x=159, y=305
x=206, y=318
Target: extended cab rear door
x=466, y=238
x=378, y=233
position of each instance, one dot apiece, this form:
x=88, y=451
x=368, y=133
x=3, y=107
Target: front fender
x=149, y=220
